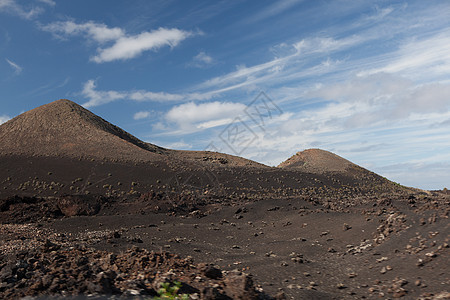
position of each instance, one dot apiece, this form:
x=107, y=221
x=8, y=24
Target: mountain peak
x=62, y=102
x=64, y=128
x=61, y=106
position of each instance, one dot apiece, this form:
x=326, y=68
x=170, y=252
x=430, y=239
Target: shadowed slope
x=64, y=128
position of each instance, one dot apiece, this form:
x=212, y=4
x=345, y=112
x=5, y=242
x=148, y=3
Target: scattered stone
x=341, y=286
x=273, y=208
x=211, y=272
x=346, y=227
x=270, y=254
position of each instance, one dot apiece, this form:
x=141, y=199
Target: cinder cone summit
x=65, y=129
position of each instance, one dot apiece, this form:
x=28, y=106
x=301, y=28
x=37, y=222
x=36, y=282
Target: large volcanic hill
x=66, y=129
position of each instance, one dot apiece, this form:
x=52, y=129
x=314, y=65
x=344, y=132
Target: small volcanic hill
x=317, y=161
x=322, y=162
x=64, y=128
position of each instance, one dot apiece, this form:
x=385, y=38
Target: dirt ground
x=304, y=246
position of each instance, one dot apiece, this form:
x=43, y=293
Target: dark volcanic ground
x=304, y=236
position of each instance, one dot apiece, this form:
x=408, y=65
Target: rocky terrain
x=87, y=209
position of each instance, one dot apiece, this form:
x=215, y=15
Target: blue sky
x=368, y=80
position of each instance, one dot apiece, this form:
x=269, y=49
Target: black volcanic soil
x=119, y=217
x=387, y=247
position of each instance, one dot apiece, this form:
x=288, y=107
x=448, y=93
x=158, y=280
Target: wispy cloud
x=272, y=10
x=48, y=2
x=293, y=64
x=202, y=60
x=13, y=7
x=4, y=119
x=17, y=69
x=381, y=13
x=47, y=88
x=181, y=145
x=141, y=115
x=189, y=116
x=115, y=43
x=91, y=30
x=431, y=55
x=98, y=97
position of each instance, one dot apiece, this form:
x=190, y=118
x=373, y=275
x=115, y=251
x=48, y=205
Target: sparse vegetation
x=170, y=292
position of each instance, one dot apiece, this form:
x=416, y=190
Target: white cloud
x=381, y=13
x=423, y=55
x=48, y=2
x=141, y=115
x=132, y=46
x=98, y=97
x=95, y=31
x=4, y=119
x=203, y=57
x=377, y=89
x=385, y=97
x=124, y=46
x=12, y=7
x=214, y=123
x=419, y=58
x=190, y=113
x=17, y=69
x=181, y=145
x=326, y=44
x=272, y=10
x=202, y=60
x=427, y=98
x=287, y=67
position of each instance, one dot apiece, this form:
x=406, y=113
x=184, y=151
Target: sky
x=367, y=80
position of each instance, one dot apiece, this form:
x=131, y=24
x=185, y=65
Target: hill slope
x=64, y=128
